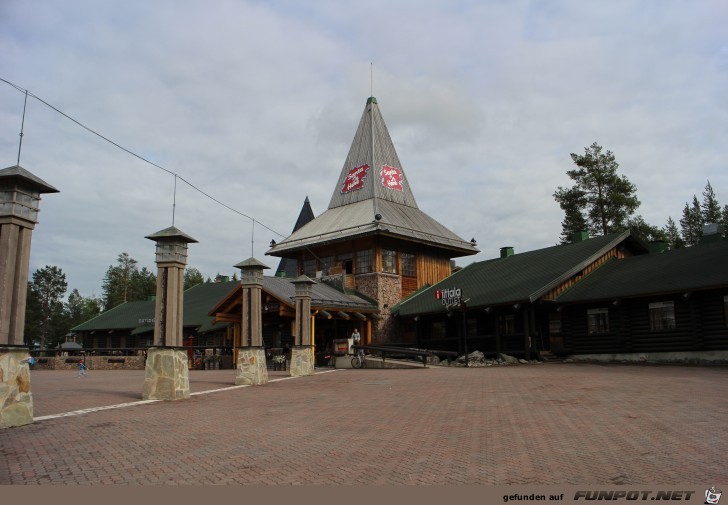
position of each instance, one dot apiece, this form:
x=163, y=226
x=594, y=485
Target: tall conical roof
x=288, y=266
x=372, y=169
x=373, y=197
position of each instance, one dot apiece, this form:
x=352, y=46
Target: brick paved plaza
x=529, y=424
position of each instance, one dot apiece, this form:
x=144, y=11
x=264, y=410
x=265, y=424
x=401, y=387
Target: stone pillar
x=166, y=376
x=16, y=400
x=251, y=367
x=19, y=201
x=302, y=359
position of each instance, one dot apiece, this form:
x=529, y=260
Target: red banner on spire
x=391, y=178
x=355, y=179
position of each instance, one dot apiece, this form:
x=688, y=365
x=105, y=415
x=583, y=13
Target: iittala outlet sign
x=451, y=296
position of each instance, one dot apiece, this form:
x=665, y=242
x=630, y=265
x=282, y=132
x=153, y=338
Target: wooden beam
x=227, y=318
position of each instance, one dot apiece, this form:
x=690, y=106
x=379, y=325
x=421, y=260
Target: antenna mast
x=174, y=198
x=22, y=125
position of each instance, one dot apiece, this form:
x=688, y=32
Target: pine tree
x=46, y=310
x=604, y=199
x=646, y=232
x=672, y=234
x=126, y=283
x=193, y=277
x=710, y=208
x=691, y=224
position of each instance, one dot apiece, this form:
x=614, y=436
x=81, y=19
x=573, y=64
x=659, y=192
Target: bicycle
x=358, y=360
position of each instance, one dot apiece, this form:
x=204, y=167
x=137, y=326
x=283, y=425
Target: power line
x=128, y=151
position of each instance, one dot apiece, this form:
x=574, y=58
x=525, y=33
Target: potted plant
x=279, y=362
x=209, y=361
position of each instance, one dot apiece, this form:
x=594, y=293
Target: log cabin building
x=609, y=295
x=373, y=239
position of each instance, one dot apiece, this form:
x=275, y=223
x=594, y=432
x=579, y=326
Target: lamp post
x=464, y=310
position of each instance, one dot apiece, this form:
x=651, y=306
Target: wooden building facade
x=605, y=295
x=373, y=239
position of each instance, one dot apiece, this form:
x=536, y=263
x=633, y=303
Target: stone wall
x=387, y=290
x=92, y=362
x=16, y=400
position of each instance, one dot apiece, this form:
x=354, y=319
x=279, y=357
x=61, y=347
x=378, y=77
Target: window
x=662, y=316
x=507, y=324
x=325, y=264
x=408, y=265
x=309, y=268
x=597, y=320
x=472, y=327
x=389, y=261
x=364, y=261
x=439, y=329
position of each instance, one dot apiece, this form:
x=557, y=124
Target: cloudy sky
x=256, y=104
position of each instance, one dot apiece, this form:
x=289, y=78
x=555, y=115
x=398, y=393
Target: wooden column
x=19, y=206
x=302, y=356
x=171, y=259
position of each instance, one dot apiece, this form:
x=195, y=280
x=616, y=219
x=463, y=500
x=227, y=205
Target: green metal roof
x=124, y=316
x=522, y=277
x=135, y=316
x=680, y=270
x=200, y=299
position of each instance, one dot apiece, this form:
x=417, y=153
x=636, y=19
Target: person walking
x=356, y=338
x=82, y=368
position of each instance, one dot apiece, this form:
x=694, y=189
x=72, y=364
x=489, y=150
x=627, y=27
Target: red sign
x=355, y=179
x=391, y=178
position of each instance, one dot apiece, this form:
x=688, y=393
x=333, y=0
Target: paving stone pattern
x=549, y=424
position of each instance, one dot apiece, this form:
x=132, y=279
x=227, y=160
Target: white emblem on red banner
x=391, y=178
x=355, y=179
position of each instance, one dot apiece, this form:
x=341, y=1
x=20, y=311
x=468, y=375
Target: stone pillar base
x=166, y=376
x=302, y=361
x=251, y=368
x=16, y=400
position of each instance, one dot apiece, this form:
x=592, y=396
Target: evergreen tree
x=672, y=234
x=193, y=277
x=126, y=283
x=691, y=224
x=711, y=208
x=571, y=202
x=45, y=317
x=646, y=232
x=80, y=309
x=604, y=200
x=142, y=285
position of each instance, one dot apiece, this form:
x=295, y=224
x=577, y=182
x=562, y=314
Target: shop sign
x=452, y=296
